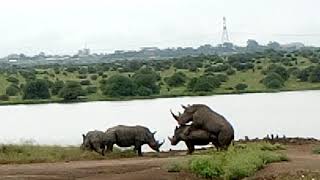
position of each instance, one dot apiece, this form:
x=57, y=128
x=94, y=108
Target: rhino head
x=155, y=145
x=179, y=135
x=186, y=116
x=85, y=144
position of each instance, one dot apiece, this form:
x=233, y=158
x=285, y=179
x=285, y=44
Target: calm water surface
x=253, y=115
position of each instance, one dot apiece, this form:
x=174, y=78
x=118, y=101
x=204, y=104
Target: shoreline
x=129, y=98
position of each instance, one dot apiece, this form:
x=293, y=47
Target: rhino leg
x=109, y=148
x=99, y=148
x=224, y=140
x=190, y=147
x=137, y=147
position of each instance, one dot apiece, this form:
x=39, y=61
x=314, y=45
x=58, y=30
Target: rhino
x=126, y=136
x=95, y=141
x=195, y=137
x=202, y=117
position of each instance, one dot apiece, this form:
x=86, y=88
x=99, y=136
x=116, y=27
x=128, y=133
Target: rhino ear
x=83, y=137
x=154, y=133
x=176, y=127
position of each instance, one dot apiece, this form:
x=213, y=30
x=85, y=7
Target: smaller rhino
x=192, y=138
x=96, y=141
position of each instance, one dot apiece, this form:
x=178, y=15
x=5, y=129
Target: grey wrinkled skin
x=195, y=137
x=95, y=141
x=126, y=136
x=202, y=117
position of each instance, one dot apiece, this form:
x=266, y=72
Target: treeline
x=203, y=73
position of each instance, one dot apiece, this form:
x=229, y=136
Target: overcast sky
x=64, y=26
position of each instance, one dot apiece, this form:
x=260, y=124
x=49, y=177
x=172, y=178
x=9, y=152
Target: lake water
x=253, y=115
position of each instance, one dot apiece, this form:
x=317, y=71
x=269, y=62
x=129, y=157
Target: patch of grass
x=17, y=154
x=236, y=163
x=316, y=150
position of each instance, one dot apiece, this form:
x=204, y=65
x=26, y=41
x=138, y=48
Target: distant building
x=84, y=52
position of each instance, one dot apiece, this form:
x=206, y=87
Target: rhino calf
x=192, y=138
x=126, y=136
x=96, y=141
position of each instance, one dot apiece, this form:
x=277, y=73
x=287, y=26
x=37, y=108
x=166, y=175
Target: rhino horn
x=183, y=106
x=174, y=116
x=160, y=144
x=154, y=133
x=170, y=139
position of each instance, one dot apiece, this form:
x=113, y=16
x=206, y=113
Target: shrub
x=36, y=89
x=315, y=74
x=148, y=78
x=85, y=82
x=94, y=77
x=71, y=91
x=273, y=81
x=274, y=68
x=316, y=150
x=91, y=89
x=82, y=76
x=241, y=86
x=12, y=90
x=56, y=87
x=13, y=79
x=4, y=97
x=236, y=163
x=177, y=79
x=118, y=85
x=230, y=71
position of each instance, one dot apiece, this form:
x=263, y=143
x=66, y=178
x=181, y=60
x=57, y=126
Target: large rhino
x=202, y=117
x=195, y=137
x=96, y=141
x=126, y=136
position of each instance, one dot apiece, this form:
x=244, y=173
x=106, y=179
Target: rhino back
x=207, y=119
x=129, y=135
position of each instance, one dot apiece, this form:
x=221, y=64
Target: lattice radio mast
x=225, y=36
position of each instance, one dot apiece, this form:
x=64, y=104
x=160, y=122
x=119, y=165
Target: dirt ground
x=302, y=165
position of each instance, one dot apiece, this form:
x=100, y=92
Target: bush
x=94, y=77
x=83, y=70
x=315, y=75
x=200, y=84
x=144, y=91
x=85, y=82
x=71, y=91
x=230, y=71
x=316, y=150
x=236, y=163
x=13, y=80
x=273, y=81
x=12, y=90
x=56, y=87
x=147, y=78
x=273, y=68
x=91, y=89
x=36, y=89
x=118, y=85
x=241, y=86
x=82, y=76
x=177, y=79
x=4, y=97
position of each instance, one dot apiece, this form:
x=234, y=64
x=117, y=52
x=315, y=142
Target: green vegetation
x=15, y=154
x=236, y=163
x=264, y=71
x=316, y=150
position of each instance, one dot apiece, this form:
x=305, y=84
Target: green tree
x=147, y=78
x=56, y=87
x=12, y=90
x=71, y=91
x=36, y=89
x=315, y=74
x=119, y=85
x=177, y=79
x=273, y=81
